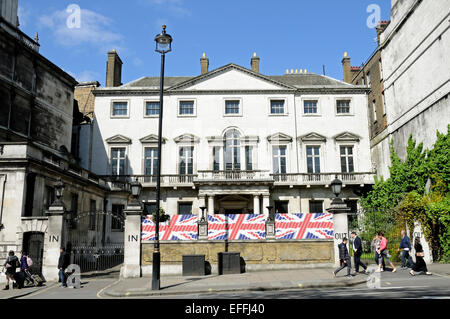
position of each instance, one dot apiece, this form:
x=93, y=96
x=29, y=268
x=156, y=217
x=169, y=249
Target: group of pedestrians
x=11, y=264
x=380, y=249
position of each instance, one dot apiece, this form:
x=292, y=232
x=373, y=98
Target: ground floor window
x=185, y=208
x=281, y=207
x=315, y=206
x=117, y=218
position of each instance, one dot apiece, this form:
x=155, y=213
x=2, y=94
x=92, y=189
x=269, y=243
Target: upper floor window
x=150, y=161
x=310, y=107
x=347, y=164
x=119, y=109
x=216, y=158
x=118, y=161
x=233, y=107
x=277, y=107
x=152, y=108
x=343, y=106
x=187, y=108
x=232, y=151
x=248, y=158
x=279, y=159
x=374, y=110
x=313, y=159
x=186, y=160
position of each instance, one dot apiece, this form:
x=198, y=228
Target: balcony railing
x=122, y=183
x=323, y=178
x=233, y=176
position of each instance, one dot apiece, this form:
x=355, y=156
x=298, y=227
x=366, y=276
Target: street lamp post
x=163, y=46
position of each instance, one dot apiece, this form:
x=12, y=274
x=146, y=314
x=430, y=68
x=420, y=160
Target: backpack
x=29, y=261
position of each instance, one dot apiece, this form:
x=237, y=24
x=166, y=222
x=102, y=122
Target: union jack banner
x=236, y=227
x=304, y=226
x=180, y=227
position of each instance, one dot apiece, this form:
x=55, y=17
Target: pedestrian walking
x=20, y=276
x=63, y=263
x=383, y=253
x=420, y=265
x=375, y=245
x=405, y=248
x=357, y=252
x=344, y=258
x=11, y=263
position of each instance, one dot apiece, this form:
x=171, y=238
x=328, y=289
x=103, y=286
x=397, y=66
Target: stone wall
x=257, y=255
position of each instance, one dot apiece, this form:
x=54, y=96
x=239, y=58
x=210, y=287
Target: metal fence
x=92, y=259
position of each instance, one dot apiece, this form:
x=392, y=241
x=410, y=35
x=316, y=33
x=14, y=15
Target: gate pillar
x=340, y=220
x=53, y=241
x=132, y=242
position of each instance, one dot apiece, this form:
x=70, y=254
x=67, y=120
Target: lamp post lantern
x=163, y=46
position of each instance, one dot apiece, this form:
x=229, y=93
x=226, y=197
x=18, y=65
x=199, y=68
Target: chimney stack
x=113, y=70
x=255, y=63
x=204, y=63
x=347, y=68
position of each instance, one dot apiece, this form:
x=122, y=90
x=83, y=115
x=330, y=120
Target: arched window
x=232, y=150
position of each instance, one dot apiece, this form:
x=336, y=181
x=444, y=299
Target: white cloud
x=24, y=15
x=87, y=76
x=95, y=30
x=175, y=7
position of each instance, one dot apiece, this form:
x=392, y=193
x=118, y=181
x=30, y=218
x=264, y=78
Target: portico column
x=256, y=209
x=210, y=204
x=53, y=242
x=132, y=252
x=266, y=203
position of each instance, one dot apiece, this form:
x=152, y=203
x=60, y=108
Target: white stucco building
x=416, y=74
x=235, y=140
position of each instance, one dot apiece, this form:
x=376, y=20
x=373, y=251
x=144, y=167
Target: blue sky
x=285, y=34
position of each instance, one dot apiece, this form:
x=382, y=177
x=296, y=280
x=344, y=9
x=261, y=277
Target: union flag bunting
x=180, y=227
x=304, y=226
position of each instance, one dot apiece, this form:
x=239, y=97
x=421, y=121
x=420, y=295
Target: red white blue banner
x=180, y=227
x=236, y=227
x=304, y=226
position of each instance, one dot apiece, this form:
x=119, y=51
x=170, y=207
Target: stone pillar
x=53, y=242
x=256, y=209
x=210, y=204
x=132, y=250
x=339, y=210
x=266, y=203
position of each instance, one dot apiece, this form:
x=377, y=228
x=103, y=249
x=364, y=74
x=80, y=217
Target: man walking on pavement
x=63, y=263
x=344, y=258
x=405, y=248
x=357, y=251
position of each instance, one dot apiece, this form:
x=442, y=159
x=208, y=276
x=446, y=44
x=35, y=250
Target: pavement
x=261, y=281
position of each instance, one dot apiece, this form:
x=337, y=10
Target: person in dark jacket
x=63, y=263
x=344, y=257
x=420, y=265
x=405, y=248
x=12, y=262
x=357, y=251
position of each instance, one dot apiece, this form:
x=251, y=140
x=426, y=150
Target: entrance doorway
x=33, y=245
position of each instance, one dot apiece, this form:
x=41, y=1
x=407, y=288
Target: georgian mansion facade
x=234, y=140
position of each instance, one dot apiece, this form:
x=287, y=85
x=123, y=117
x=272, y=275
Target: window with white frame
x=343, y=106
x=216, y=158
x=152, y=108
x=310, y=107
x=118, y=158
x=313, y=159
x=150, y=161
x=186, y=108
x=186, y=161
x=248, y=158
x=119, y=109
x=232, y=107
x=232, y=150
x=347, y=162
x=279, y=159
x=277, y=107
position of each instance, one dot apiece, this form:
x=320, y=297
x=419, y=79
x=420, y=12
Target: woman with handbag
x=12, y=262
x=420, y=265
